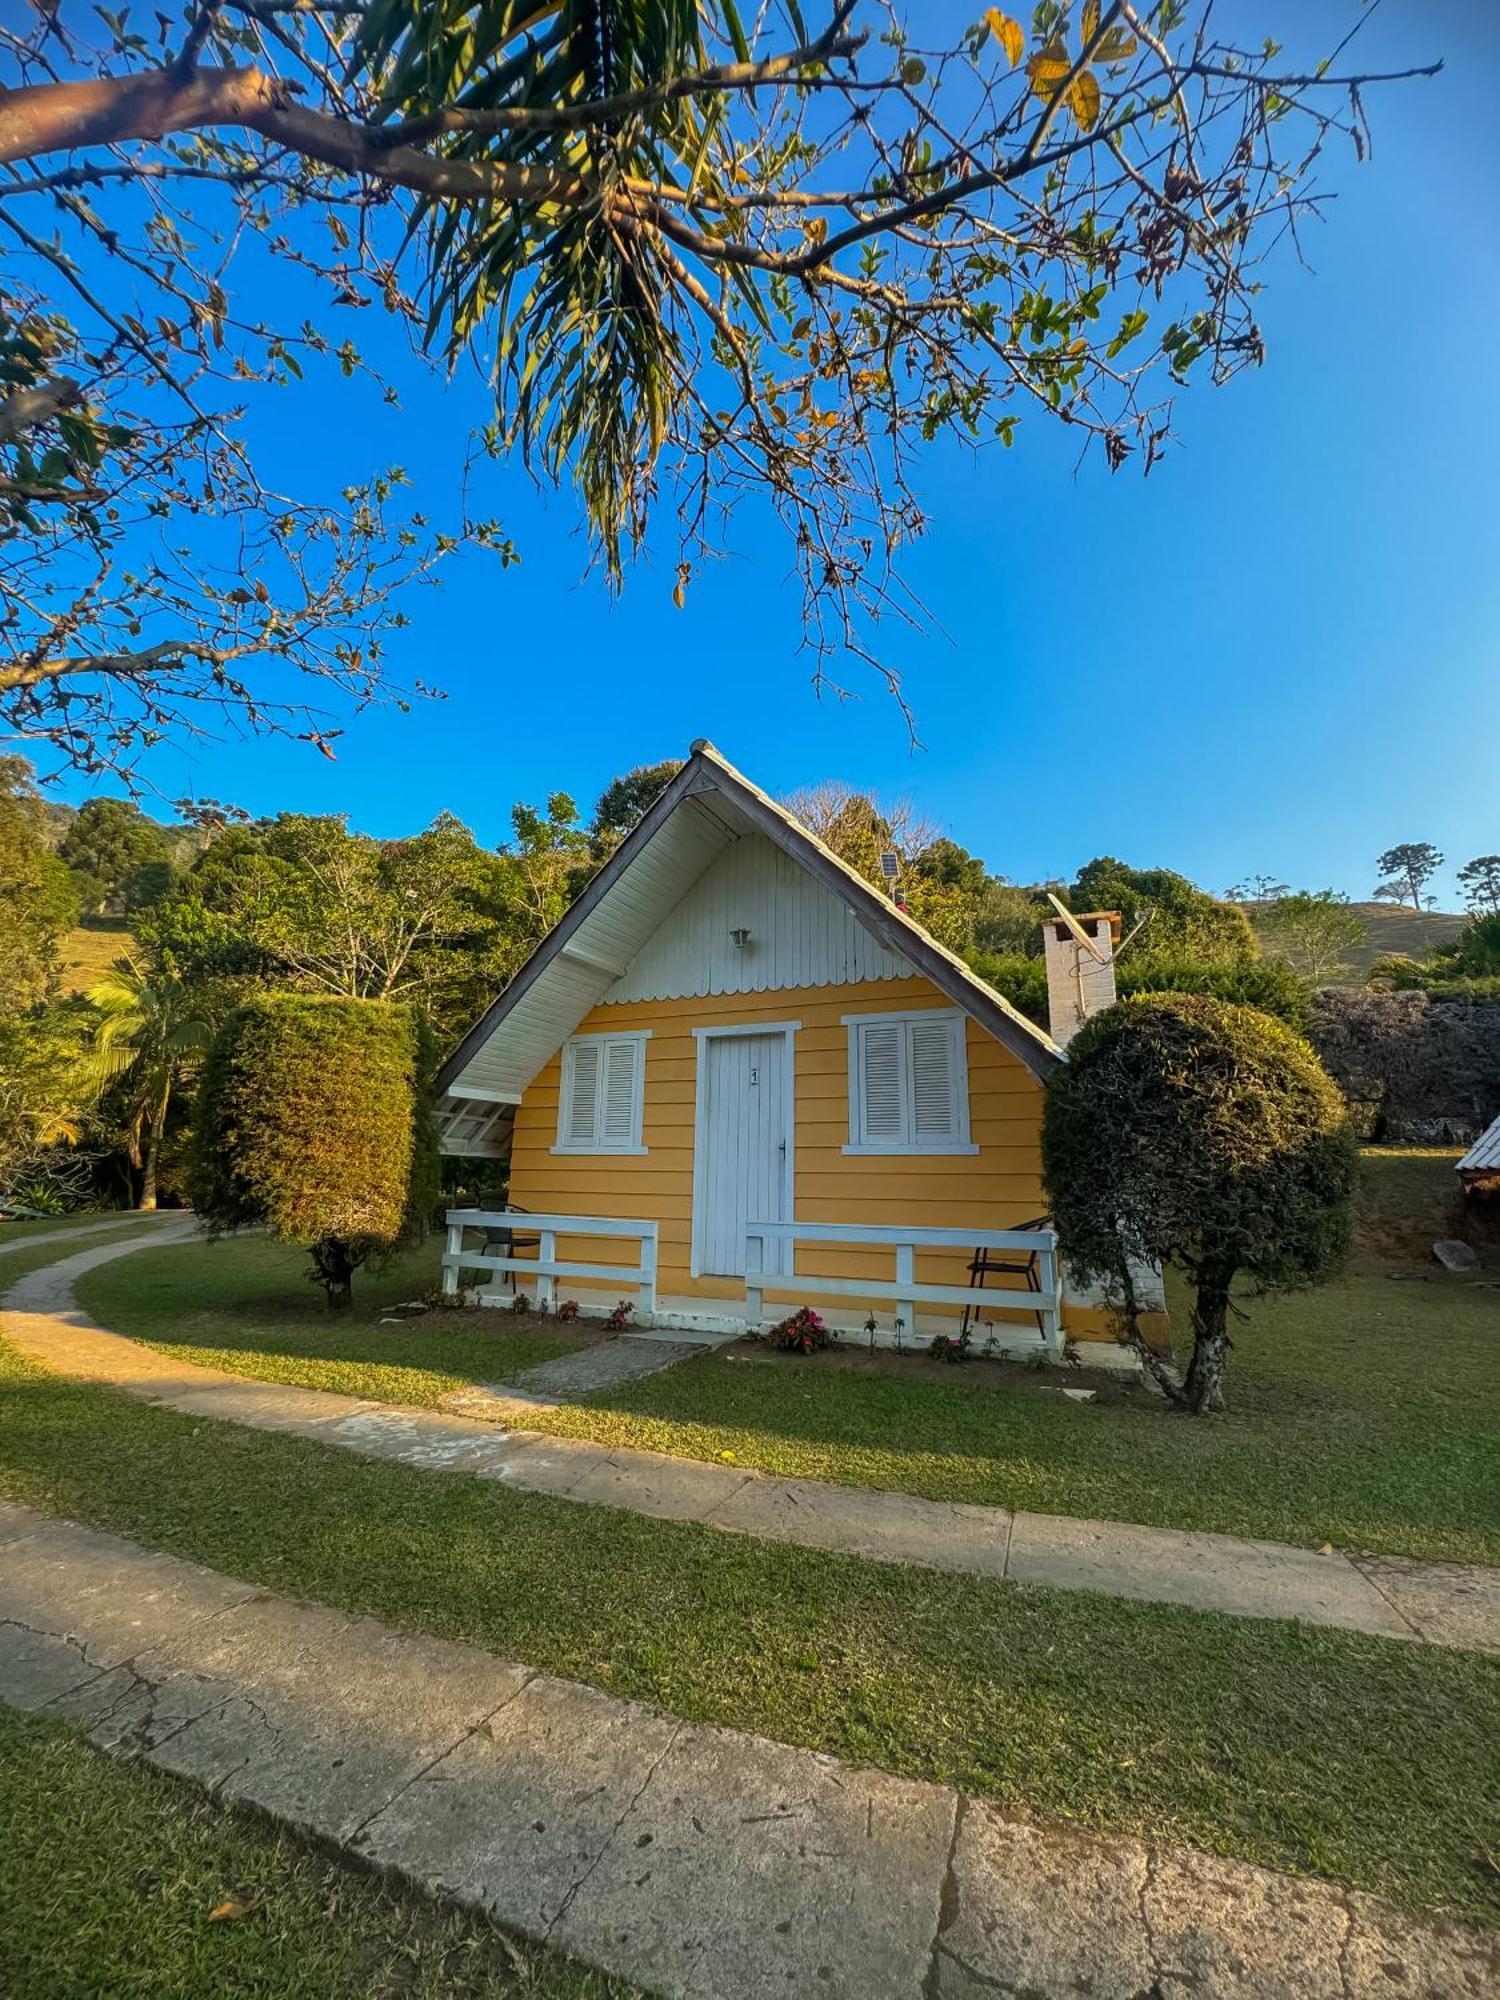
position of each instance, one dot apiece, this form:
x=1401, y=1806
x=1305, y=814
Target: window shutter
x=880, y=1082
x=579, y=1127
x=617, y=1124
x=932, y=1080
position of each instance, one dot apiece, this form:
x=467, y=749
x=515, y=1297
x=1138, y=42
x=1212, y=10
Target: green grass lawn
x=112, y=1871
x=17, y=1232
x=1365, y=1413
x=1369, y=1761
x=247, y=1305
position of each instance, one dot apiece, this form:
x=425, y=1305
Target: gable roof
x=708, y=805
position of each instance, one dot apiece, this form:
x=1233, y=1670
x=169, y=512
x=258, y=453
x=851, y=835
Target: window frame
x=954, y=1144
x=596, y=1146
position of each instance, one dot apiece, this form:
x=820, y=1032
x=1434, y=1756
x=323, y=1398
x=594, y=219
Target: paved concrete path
x=563, y=1380
x=119, y=1220
x=697, y=1861
x=1443, y=1604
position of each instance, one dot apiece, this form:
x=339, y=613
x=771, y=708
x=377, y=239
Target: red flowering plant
x=801, y=1332
x=620, y=1317
x=567, y=1312
x=949, y=1347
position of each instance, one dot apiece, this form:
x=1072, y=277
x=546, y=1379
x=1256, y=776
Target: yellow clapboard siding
x=993, y=1188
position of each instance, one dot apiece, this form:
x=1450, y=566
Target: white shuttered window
x=908, y=1084
x=603, y=1091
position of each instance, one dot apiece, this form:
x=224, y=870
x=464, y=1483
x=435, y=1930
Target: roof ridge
x=704, y=749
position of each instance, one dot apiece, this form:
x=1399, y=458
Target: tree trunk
x=147, y=1201
x=156, y=1125
x=1211, y=1343
x=335, y=1266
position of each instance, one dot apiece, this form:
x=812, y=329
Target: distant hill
x=1414, y=932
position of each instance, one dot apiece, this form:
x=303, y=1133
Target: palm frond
x=588, y=362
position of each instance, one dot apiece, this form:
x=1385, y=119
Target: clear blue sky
x=1277, y=654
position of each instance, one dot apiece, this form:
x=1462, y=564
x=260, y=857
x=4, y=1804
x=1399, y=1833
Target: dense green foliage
x=1190, y=1132
x=40, y=1036
x=312, y=1121
x=1178, y=916
x=1266, y=983
x=1269, y=984
x=626, y=798
x=145, y=1034
x=108, y=846
x=38, y=899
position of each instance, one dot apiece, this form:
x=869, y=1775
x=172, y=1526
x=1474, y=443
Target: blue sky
x=1277, y=654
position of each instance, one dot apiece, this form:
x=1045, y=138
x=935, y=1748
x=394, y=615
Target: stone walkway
x=567, y=1377
x=696, y=1861
x=1390, y=1596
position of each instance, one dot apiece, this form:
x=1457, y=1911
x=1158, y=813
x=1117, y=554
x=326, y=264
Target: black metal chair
x=506, y=1243
x=987, y=1263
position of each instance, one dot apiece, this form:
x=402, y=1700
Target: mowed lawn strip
x=1364, y=1414
x=247, y=1305
x=113, y=1872
x=14, y=1230
x=1369, y=1761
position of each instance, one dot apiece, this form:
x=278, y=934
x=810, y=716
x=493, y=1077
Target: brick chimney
x=1078, y=985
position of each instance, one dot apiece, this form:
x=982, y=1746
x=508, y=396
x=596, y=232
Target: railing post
x=647, y=1305
x=451, y=1256
x=755, y=1259
x=546, y=1253
x=906, y=1274
x=1051, y=1284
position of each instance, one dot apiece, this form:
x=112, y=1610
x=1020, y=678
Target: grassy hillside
x=92, y=949
x=1412, y=931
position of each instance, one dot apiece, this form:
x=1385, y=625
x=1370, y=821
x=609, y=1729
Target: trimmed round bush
x=1190, y=1131
x=311, y=1121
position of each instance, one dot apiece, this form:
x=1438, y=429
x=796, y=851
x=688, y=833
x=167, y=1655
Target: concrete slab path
x=563, y=1380
x=1440, y=1604
x=121, y=1219
x=696, y=1861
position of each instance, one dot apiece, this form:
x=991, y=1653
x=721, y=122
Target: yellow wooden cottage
x=736, y=1078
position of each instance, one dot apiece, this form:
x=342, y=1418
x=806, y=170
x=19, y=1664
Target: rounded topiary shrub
x=1190, y=1131
x=311, y=1121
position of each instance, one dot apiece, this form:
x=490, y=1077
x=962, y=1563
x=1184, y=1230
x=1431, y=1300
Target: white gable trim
x=800, y=933
x=552, y=992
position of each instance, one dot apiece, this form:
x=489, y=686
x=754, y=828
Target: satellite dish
x=1089, y=944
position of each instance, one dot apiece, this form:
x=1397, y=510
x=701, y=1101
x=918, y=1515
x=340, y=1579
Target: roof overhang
x=707, y=806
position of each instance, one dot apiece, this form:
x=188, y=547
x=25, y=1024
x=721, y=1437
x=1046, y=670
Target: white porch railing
x=1044, y=1304
x=546, y=1267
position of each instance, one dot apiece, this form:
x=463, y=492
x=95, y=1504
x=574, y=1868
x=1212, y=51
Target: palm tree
x=146, y=1035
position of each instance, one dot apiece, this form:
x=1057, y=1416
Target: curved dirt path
x=1389, y=1596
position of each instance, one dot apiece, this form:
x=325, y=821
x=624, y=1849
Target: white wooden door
x=745, y=1140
